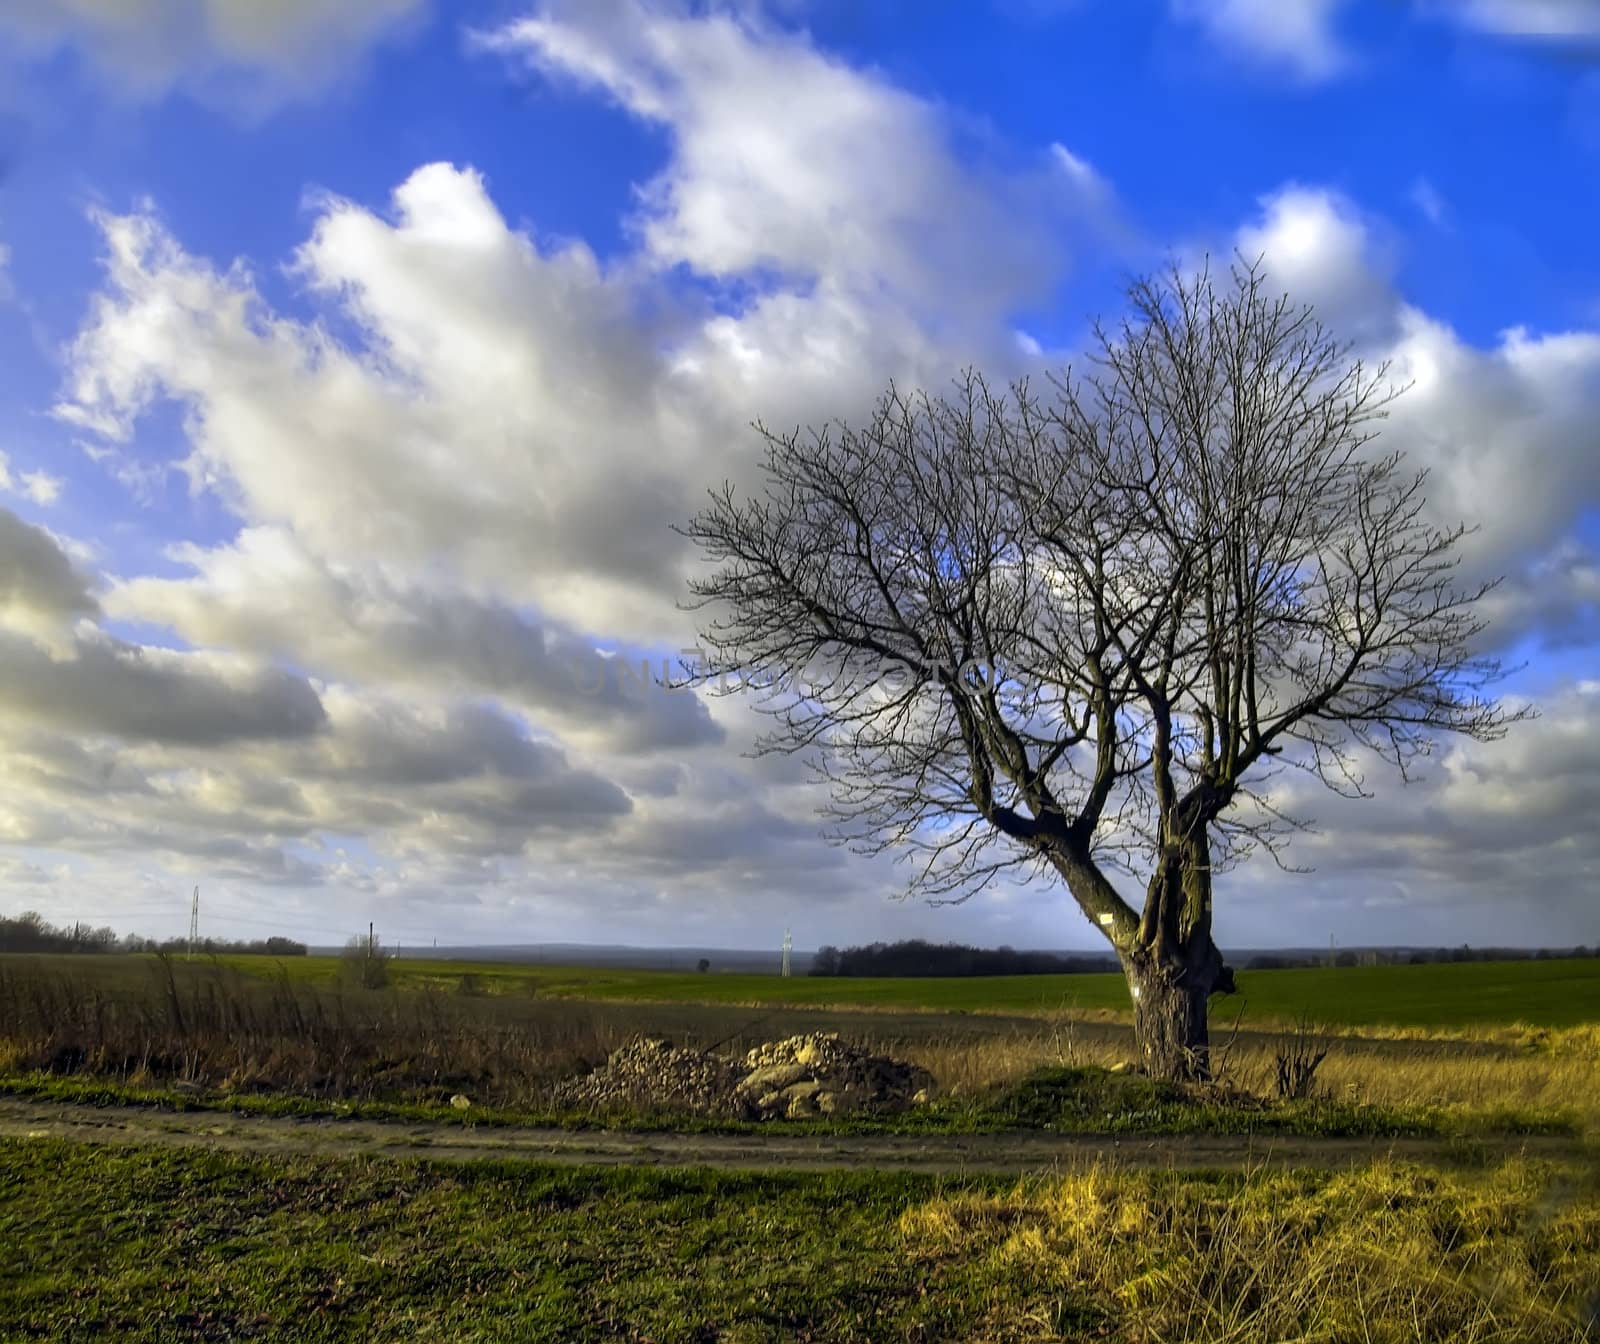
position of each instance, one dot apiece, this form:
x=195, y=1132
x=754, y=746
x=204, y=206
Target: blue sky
x=360, y=355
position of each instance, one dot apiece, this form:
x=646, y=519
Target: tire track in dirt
x=1004, y=1153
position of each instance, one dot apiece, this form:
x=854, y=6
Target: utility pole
x=194, y=922
x=788, y=944
x=369, y=940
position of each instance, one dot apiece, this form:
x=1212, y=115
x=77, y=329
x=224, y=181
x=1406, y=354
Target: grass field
x=1555, y=993
x=150, y=1245
x=157, y=1244
x=287, y=1035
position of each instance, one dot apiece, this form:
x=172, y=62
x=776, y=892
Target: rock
x=773, y=1077
x=800, y=1099
x=461, y=1101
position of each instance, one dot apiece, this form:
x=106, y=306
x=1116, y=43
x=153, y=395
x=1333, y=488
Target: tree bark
x=1174, y=968
x=1169, y=1011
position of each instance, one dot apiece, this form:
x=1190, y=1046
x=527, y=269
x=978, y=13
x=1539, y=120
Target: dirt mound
x=818, y=1074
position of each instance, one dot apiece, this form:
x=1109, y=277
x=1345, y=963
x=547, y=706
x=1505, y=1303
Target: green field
x=108, y=1243
x=1554, y=993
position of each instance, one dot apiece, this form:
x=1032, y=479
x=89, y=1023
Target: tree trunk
x=1174, y=968
x=1169, y=1014
x=1171, y=964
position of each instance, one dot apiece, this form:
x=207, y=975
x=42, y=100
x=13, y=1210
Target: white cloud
x=784, y=157
x=41, y=487
x=224, y=47
x=460, y=467
x=1293, y=35
x=1426, y=197
x=1320, y=248
x=41, y=589
x=266, y=594
x=1491, y=845
x=478, y=433
x=1301, y=37
x=1551, y=19
x=1511, y=433
x=473, y=482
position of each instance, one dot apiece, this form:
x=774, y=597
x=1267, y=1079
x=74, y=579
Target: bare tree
x=1081, y=634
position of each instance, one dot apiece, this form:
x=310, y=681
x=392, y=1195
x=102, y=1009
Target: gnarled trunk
x=1173, y=967
x=1169, y=1011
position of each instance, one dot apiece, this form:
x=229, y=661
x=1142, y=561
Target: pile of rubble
x=817, y=1074
x=649, y=1073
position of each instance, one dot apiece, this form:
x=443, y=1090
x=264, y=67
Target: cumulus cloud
x=786, y=158
x=1320, y=248
x=1511, y=433
x=266, y=594
x=1294, y=35
x=41, y=589
x=140, y=693
x=498, y=387
x=1301, y=37
x=446, y=509
x=428, y=785
x=453, y=470
x=500, y=390
x=1553, y=20
x=279, y=49
x=1491, y=844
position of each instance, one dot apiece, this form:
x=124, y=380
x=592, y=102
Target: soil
x=1009, y=1153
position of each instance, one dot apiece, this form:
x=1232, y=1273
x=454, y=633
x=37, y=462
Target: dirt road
x=1014, y=1153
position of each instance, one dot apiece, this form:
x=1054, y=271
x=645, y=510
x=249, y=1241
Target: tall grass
x=1546, y=1070
x=210, y=1026
x=1380, y=1254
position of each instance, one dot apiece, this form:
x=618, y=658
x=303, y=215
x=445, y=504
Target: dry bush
x=1386, y=1253
x=1297, y=1059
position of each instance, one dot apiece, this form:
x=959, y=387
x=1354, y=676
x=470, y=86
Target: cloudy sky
x=360, y=354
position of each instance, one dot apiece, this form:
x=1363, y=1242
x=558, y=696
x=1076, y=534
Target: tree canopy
x=1082, y=628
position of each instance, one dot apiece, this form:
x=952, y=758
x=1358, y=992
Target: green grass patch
x=156, y=1245
x=150, y=1245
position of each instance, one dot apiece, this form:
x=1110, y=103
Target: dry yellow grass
x=1530, y=1070
x=1384, y=1254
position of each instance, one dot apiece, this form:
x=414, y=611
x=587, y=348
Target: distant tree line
x=1408, y=956
x=917, y=957
x=30, y=932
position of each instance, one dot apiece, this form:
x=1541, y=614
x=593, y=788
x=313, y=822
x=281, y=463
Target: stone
x=461, y=1101
x=773, y=1077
